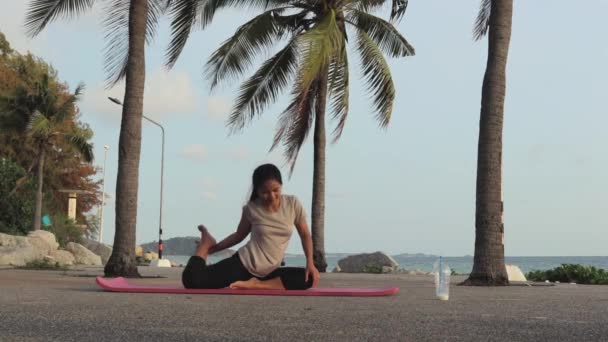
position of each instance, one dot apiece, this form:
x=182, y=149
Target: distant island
x=187, y=244
x=180, y=246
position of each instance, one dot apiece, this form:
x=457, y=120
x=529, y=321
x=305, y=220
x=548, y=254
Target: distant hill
x=179, y=246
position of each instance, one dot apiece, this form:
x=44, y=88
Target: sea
x=461, y=265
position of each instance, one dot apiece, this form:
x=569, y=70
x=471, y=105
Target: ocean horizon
x=462, y=264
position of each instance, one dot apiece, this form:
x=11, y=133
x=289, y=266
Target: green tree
x=315, y=58
x=130, y=24
x=64, y=168
x=495, y=19
x=48, y=124
x=17, y=211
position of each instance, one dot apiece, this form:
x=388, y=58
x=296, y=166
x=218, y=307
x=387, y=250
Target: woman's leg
x=283, y=278
x=198, y=274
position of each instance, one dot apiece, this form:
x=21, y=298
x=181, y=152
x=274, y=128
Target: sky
x=406, y=189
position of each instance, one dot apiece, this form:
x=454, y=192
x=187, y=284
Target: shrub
x=65, y=230
x=44, y=264
x=568, y=273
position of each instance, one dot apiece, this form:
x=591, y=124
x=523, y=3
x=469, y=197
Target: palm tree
x=314, y=61
x=49, y=125
x=130, y=25
x=494, y=18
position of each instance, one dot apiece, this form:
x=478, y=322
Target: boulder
x=150, y=256
x=336, y=269
x=103, y=250
x=13, y=241
x=139, y=252
x=515, y=274
x=82, y=255
x=43, y=241
x=64, y=258
x=377, y=262
x=18, y=256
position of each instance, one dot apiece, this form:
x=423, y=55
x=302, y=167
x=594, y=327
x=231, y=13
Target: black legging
x=199, y=275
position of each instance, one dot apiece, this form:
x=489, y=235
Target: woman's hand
x=311, y=271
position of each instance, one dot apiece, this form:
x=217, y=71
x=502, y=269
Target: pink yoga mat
x=122, y=285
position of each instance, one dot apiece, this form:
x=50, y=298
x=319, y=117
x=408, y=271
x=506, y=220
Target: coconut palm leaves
x=483, y=19
x=315, y=37
x=43, y=12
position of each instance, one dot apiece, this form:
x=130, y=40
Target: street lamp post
x=103, y=193
x=162, y=165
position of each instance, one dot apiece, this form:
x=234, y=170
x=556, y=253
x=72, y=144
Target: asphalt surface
x=68, y=306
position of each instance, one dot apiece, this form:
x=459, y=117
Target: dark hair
x=262, y=174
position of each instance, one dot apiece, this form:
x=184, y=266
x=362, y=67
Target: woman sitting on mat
x=270, y=217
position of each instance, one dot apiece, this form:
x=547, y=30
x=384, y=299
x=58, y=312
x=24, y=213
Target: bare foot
x=207, y=240
x=253, y=283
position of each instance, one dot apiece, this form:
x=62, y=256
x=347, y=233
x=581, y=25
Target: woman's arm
x=241, y=233
x=306, y=239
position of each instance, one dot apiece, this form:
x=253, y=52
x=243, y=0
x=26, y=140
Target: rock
x=82, y=255
x=337, y=269
x=150, y=256
x=18, y=256
x=139, y=252
x=515, y=274
x=103, y=250
x=377, y=262
x=13, y=241
x=44, y=241
x=64, y=258
x=387, y=269
x=173, y=263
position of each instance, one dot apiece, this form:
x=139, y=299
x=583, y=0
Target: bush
x=568, y=273
x=65, y=230
x=44, y=264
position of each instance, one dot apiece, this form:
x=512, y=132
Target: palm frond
x=318, y=46
x=39, y=125
x=378, y=77
x=295, y=122
x=398, y=9
x=41, y=12
x=81, y=145
x=184, y=15
x=237, y=53
x=483, y=20
x=66, y=107
x=116, y=24
x=339, y=92
x=383, y=33
x=210, y=7
x=264, y=86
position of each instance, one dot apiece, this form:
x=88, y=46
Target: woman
x=270, y=217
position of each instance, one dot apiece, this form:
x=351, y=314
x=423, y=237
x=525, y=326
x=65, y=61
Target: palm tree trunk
x=489, y=262
x=318, y=178
x=38, y=210
x=122, y=261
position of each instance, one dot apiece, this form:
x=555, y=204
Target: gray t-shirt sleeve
x=299, y=211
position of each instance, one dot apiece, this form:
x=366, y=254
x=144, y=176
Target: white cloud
x=209, y=188
x=194, y=152
x=240, y=153
x=217, y=108
x=208, y=195
x=166, y=94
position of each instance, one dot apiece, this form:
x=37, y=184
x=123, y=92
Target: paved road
x=60, y=306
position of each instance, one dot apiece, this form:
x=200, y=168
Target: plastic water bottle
x=442, y=279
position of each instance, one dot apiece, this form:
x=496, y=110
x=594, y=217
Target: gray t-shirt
x=270, y=234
